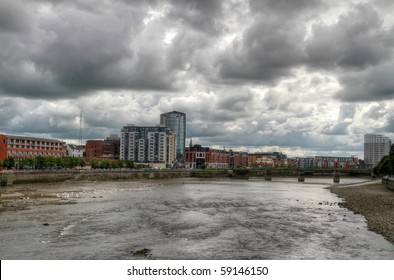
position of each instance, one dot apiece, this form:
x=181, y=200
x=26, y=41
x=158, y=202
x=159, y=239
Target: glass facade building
x=176, y=121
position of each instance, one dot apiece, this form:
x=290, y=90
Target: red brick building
x=20, y=147
x=267, y=159
x=108, y=148
x=197, y=156
x=94, y=148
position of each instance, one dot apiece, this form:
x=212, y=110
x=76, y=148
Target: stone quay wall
x=388, y=182
x=15, y=178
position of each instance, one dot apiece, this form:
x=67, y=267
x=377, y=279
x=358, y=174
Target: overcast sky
x=303, y=77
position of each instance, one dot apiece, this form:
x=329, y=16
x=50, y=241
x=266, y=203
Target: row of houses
x=21, y=147
x=197, y=156
x=156, y=146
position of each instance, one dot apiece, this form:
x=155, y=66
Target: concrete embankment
x=389, y=183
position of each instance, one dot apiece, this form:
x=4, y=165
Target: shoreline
x=22, y=197
x=373, y=201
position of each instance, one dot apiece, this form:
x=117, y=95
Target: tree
x=9, y=162
x=40, y=162
x=386, y=165
x=105, y=164
x=129, y=163
x=95, y=163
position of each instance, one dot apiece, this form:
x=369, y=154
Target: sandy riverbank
x=372, y=200
x=23, y=197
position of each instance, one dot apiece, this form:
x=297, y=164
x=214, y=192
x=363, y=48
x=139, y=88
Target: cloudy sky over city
x=304, y=77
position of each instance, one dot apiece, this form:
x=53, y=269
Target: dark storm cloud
x=261, y=54
x=271, y=46
x=358, y=40
x=284, y=7
x=203, y=15
x=76, y=51
x=14, y=16
x=82, y=50
x=372, y=84
x=358, y=48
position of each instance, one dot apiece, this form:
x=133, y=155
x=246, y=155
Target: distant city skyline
x=299, y=77
x=173, y=118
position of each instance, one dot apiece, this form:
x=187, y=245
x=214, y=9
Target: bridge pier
x=336, y=177
x=301, y=176
x=268, y=175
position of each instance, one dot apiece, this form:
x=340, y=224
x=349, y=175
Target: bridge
x=312, y=171
x=20, y=177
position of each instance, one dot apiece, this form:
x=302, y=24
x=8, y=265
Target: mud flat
x=372, y=200
x=23, y=197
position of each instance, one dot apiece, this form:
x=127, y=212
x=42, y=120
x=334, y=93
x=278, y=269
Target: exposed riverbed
x=190, y=219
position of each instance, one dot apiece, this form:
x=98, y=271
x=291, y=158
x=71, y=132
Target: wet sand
x=23, y=197
x=372, y=200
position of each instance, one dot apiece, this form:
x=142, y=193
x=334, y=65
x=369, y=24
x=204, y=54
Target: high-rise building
x=375, y=147
x=148, y=144
x=176, y=121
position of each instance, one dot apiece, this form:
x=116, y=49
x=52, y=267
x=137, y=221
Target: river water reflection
x=193, y=219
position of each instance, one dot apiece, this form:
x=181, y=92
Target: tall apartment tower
x=148, y=144
x=176, y=121
x=375, y=147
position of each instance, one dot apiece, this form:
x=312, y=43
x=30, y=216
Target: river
x=192, y=219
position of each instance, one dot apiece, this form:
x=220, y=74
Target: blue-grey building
x=176, y=121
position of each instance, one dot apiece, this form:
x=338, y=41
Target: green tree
x=129, y=163
x=386, y=165
x=105, y=164
x=95, y=163
x=9, y=162
x=40, y=162
x=26, y=163
x=80, y=162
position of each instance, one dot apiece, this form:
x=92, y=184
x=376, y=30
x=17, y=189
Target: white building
x=154, y=145
x=75, y=150
x=375, y=147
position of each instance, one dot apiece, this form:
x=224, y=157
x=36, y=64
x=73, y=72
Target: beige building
x=375, y=147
